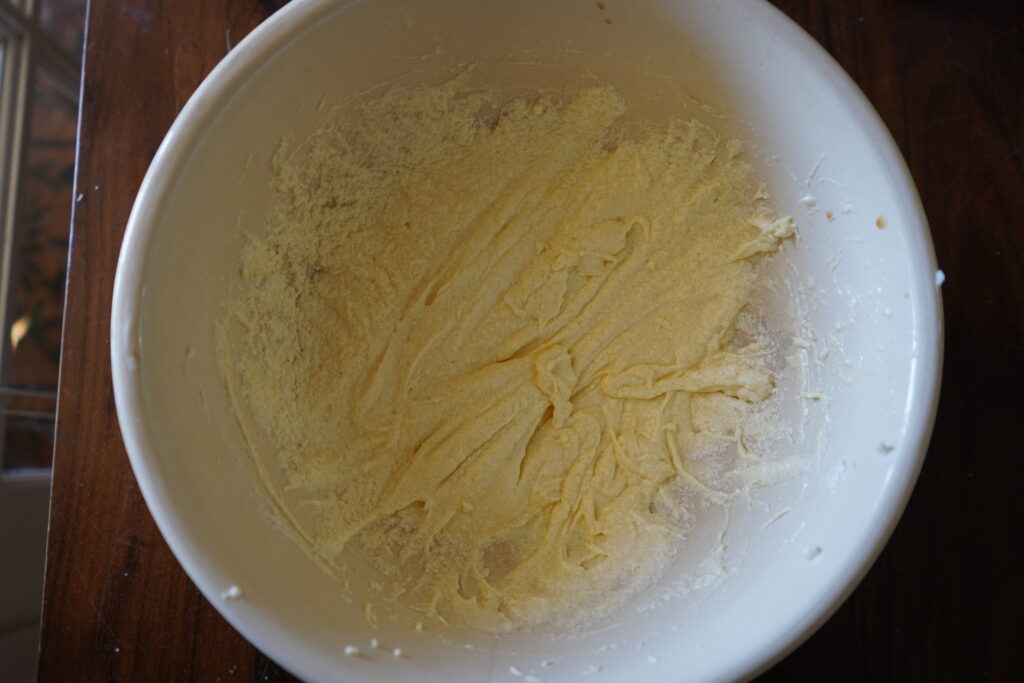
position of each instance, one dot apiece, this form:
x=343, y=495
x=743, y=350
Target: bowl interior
x=866, y=296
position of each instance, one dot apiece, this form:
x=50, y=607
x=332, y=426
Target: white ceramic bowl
x=869, y=294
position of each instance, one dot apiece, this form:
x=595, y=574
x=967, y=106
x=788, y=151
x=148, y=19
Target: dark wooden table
x=944, y=600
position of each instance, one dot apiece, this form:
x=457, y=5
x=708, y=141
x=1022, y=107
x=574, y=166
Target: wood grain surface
x=944, y=599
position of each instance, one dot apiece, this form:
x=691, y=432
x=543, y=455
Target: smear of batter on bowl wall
x=488, y=337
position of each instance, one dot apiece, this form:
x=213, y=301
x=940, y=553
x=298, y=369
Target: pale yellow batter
x=474, y=331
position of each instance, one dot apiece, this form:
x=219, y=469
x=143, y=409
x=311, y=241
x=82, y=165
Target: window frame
x=27, y=49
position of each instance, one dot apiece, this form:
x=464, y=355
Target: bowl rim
x=191, y=124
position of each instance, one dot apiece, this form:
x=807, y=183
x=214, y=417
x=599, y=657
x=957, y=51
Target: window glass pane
x=38, y=268
x=64, y=21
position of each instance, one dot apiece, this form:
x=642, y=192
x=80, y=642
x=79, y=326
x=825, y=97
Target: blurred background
x=41, y=44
